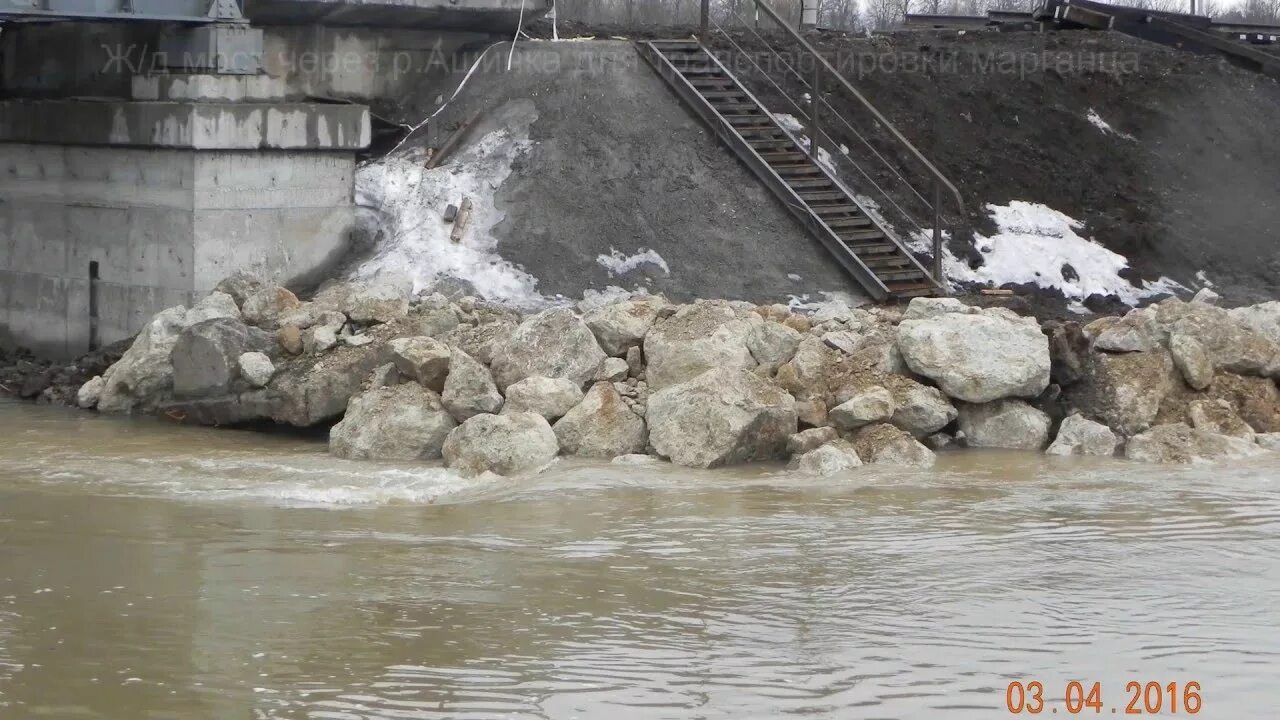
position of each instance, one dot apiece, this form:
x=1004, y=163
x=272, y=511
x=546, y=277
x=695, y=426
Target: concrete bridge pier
x=112, y=209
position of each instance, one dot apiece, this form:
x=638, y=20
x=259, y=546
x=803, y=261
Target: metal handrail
x=883, y=193
x=940, y=181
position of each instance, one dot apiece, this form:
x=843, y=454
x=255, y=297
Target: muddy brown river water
x=153, y=571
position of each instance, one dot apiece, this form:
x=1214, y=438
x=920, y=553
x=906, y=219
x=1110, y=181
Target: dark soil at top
x=1187, y=182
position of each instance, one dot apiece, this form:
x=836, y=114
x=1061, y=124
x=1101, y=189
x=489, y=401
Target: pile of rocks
x=706, y=384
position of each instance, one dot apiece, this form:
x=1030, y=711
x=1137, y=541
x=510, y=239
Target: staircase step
x=699, y=70
x=899, y=275
x=700, y=82
x=796, y=170
x=713, y=94
x=723, y=106
x=822, y=182
x=886, y=261
x=849, y=236
x=911, y=289
x=835, y=210
x=814, y=196
x=784, y=156
x=852, y=221
x=879, y=248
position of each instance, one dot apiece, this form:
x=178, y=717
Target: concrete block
x=204, y=125
x=230, y=240
x=38, y=314
x=160, y=248
x=113, y=312
x=39, y=238
x=7, y=281
x=237, y=180
x=77, y=318
x=6, y=234
x=97, y=234
x=203, y=87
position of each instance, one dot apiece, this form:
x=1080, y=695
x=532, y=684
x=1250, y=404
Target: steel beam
x=180, y=11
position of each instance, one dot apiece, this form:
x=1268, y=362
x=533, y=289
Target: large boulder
x=811, y=439
x=400, y=422
x=978, y=357
x=469, y=389
x=1078, y=435
x=482, y=339
x=885, y=444
x=422, y=358
x=834, y=457
x=502, y=444
x=89, y=393
x=256, y=368
x=1134, y=332
x=1011, y=424
x=919, y=409
x=721, y=417
x=601, y=426
x=380, y=300
x=206, y=357
x=213, y=306
x=143, y=376
x=549, y=397
x=771, y=344
x=871, y=405
x=1191, y=360
x=554, y=343
x=240, y=285
x=1124, y=390
x=1255, y=399
x=312, y=391
x=705, y=335
x=622, y=325
x=1229, y=344
x=1263, y=318
x=1218, y=416
x=1068, y=352
x=266, y=307
x=1180, y=443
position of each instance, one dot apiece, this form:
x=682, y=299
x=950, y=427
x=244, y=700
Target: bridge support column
x=156, y=198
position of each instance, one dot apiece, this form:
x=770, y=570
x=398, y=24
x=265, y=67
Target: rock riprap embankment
x=706, y=384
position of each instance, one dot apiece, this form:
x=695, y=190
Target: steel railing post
x=938, y=271
x=706, y=17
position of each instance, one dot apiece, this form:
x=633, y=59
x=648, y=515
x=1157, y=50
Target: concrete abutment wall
x=162, y=225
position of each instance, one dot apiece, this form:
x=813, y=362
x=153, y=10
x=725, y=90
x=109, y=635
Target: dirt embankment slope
x=1187, y=181
x=617, y=166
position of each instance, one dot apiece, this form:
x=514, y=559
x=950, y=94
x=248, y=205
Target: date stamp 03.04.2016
x=1032, y=697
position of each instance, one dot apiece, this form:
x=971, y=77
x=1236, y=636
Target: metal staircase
x=807, y=185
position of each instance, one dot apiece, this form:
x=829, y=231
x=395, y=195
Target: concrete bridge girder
x=193, y=11
x=491, y=15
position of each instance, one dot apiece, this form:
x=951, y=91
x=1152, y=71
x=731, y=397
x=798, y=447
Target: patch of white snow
x=402, y=204
x=618, y=264
x=788, y=122
x=1096, y=120
x=1034, y=244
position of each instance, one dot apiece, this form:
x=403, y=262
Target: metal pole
x=706, y=17
x=937, y=236
x=815, y=127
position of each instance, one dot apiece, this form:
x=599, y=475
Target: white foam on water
x=402, y=204
x=1032, y=244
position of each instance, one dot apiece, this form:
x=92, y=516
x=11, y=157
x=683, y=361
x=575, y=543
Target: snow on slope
x=618, y=264
x=402, y=203
x=1036, y=244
